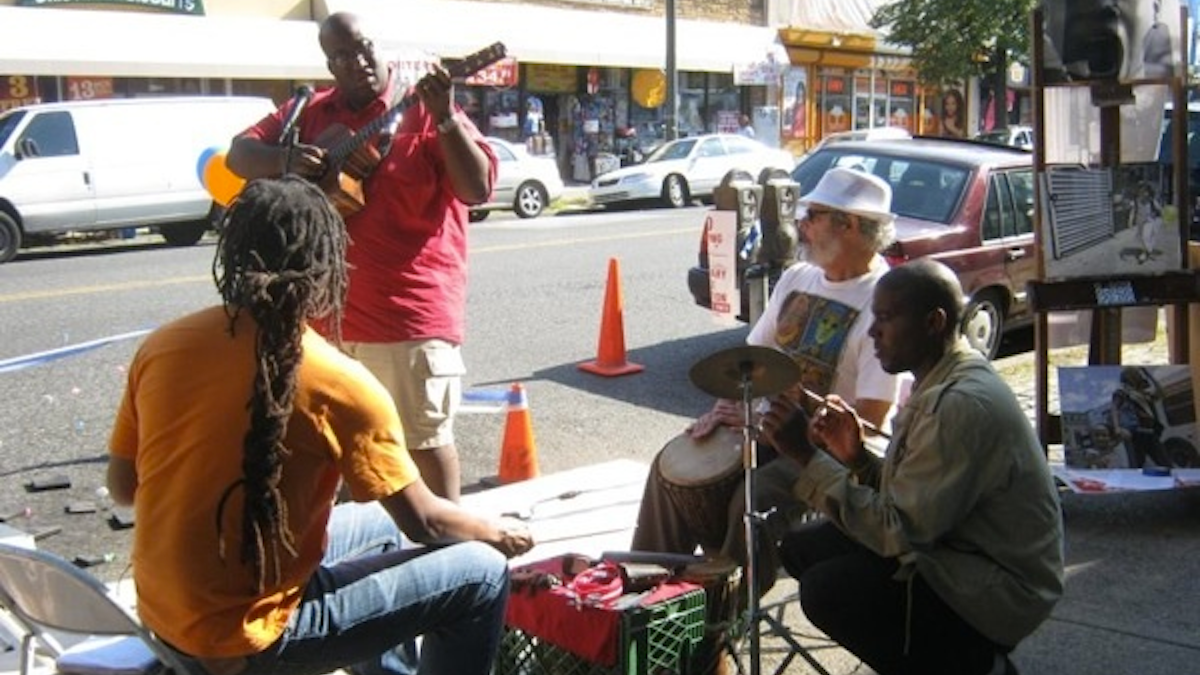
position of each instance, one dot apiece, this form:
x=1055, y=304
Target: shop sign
x=649, y=88
x=502, y=73
x=18, y=90
x=194, y=7
x=88, y=88
x=760, y=73
x=550, y=78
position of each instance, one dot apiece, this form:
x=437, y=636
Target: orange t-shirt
x=182, y=422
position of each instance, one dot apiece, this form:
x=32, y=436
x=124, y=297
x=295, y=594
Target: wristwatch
x=447, y=125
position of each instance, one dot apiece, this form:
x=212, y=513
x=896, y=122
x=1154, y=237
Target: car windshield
x=922, y=189
x=678, y=150
x=8, y=123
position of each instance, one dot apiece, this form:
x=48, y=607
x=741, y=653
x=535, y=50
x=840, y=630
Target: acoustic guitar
x=349, y=156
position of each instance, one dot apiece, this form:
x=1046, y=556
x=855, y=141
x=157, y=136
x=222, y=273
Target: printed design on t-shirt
x=814, y=330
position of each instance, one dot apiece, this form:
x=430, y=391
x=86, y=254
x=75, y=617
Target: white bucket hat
x=853, y=191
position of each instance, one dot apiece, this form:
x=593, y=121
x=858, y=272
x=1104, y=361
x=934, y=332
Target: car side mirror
x=27, y=147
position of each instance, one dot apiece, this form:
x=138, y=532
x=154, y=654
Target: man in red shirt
x=408, y=255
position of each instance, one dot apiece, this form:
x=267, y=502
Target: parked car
x=525, y=184
x=685, y=169
x=967, y=204
x=107, y=165
x=1017, y=136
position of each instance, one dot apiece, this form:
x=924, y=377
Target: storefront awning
x=539, y=34
x=39, y=41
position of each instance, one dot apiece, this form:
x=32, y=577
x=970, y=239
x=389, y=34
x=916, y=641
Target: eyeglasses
x=813, y=214
x=345, y=57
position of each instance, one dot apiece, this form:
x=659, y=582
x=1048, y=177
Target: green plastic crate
x=655, y=640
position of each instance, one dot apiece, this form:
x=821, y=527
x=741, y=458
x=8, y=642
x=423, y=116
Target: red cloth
x=589, y=632
x=408, y=252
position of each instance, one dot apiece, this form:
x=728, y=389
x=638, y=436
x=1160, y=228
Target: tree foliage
x=953, y=40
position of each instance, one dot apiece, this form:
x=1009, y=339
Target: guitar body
x=343, y=182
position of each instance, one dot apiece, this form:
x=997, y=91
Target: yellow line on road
x=157, y=283
x=583, y=240
x=106, y=288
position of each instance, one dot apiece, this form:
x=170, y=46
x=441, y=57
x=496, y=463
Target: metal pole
x=671, y=118
x=750, y=466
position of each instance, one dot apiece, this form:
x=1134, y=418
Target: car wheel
x=675, y=191
x=184, y=234
x=983, y=323
x=1181, y=453
x=10, y=237
x=531, y=200
x=477, y=215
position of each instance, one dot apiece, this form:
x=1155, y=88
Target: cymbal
x=763, y=370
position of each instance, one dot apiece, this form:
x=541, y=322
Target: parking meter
x=780, y=236
x=739, y=193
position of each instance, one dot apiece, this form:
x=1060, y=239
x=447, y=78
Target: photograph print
x=1121, y=40
x=1109, y=219
x=1128, y=417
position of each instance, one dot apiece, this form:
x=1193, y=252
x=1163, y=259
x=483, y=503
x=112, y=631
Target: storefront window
x=902, y=104
x=724, y=103
x=273, y=89
x=503, y=108
x=834, y=103
x=691, y=104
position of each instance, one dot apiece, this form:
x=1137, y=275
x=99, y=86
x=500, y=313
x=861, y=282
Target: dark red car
x=965, y=203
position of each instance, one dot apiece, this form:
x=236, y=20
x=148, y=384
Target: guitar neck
x=468, y=66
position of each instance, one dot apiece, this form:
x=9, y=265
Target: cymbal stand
x=752, y=518
x=753, y=521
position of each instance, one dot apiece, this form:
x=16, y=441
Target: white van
x=79, y=166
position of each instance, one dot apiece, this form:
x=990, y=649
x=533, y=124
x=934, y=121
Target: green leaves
x=952, y=40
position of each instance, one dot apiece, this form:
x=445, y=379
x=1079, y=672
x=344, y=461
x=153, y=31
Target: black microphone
x=299, y=102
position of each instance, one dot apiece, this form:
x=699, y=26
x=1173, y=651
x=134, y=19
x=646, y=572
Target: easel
x=1105, y=296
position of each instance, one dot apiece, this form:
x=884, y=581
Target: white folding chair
x=42, y=592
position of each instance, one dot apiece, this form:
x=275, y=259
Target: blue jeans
x=370, y=599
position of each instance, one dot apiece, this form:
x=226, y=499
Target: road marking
x=141, y=285
x=91, y=290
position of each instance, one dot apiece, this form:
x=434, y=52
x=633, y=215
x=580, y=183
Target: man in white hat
x=818, y=314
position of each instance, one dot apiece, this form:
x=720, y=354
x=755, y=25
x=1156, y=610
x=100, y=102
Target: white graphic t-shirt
x=823, y=326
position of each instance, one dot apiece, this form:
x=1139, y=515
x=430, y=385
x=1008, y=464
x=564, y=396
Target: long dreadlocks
x=281, y=259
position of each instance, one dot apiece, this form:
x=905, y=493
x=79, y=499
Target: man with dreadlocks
x=237, y=425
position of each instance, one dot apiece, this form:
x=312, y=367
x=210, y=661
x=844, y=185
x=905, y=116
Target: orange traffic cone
x=610, y=356
x=518, y=454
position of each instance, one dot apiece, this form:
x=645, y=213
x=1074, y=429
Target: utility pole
x=672, y=114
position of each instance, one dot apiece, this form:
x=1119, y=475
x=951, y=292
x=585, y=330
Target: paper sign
x=720, y=231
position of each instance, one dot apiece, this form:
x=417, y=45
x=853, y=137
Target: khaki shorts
x=425, y=380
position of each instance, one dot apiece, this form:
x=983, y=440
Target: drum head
x=688, y=462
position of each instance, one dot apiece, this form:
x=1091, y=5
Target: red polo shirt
x=408, y=252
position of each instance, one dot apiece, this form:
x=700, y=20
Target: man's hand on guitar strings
x=434, y=90
x=307, y=161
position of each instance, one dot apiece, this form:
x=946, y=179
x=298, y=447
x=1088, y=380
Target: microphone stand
x=289, y=137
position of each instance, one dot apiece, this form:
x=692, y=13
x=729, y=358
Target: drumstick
x=814, y=396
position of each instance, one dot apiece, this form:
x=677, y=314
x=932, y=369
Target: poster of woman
x=954, y=113
x=795, y=122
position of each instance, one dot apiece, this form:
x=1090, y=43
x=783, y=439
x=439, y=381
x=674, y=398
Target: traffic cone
x=610, y=356
x=518, y=454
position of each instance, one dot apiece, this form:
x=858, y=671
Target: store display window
x=834, y=103
x=503, y=108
